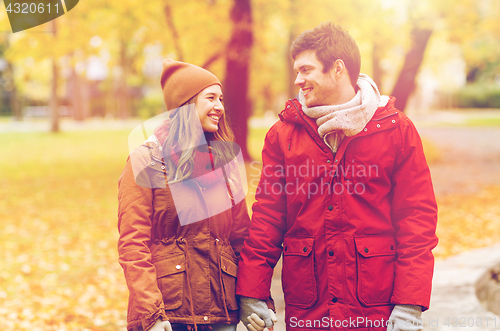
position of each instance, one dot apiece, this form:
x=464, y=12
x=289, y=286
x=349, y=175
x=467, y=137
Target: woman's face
x=210, y=108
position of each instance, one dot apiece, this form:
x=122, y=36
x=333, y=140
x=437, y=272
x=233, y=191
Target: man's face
x=320, y=89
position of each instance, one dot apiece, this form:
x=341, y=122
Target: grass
x=255, y=143
x=468, y=221
x=59, y=267
x=493, y=121
x=58, y=259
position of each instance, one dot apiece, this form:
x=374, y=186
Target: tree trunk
x=236, y=81
x=54, y=104
x=377, y=69
x=167, y=10
x=406, y=80
x=14, y=102
x=292, y=89
x=122, y=89
x=75, y=96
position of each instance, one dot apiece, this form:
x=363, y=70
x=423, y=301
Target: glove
x=258, y=324
x=161, y=326
x=405, y=318
x=255, y=315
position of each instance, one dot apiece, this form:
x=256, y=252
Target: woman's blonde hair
x=183, y=138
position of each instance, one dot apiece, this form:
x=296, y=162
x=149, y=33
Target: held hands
x=255, y=315
x=161, y=326
x=405, y=318
x=258, y=324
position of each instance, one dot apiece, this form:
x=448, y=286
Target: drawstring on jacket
x=290, y=137
x=184, y=241
x=217, y=243
x=220, y=280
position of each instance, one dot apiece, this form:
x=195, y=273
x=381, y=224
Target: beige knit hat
x=181, y=81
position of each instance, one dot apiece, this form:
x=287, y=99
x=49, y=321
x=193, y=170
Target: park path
x=469, y=158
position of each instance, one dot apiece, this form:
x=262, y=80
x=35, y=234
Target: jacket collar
x=293, y=113
x=384, y=119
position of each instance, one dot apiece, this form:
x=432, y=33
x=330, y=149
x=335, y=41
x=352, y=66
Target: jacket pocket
x=229, y=271
x=170, y=277
x=376, y=257
x=298, y=274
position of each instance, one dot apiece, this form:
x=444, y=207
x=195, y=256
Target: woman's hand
x=255, y=315
x=161, y=326
x=258, y=324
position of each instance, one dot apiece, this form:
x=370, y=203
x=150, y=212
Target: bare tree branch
x=212, y=59
x=170, y=22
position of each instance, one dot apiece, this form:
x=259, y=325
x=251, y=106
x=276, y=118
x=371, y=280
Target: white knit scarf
x=348, y=119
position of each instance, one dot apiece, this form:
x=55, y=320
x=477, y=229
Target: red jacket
x=355, y=228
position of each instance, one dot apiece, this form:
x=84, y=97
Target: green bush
x=479, y=96
x=151, y=105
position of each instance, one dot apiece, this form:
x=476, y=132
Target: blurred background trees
x=105, y=59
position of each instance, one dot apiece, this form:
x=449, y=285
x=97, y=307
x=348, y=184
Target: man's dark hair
x=330, y=42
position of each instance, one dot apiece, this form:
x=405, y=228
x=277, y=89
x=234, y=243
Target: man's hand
x=405, y=318
x=161, y=326
x=258, y=324
x=255, y=315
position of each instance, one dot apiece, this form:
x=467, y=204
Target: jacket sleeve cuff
x=270, y=304
x=148, y=321
x=423, y=305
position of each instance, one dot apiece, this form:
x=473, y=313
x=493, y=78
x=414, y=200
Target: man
x=346, y=196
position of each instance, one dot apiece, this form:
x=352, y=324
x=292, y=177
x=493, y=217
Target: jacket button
x=152, y=163
x=393, y=121
x=378, y=125
x=336, y=160
x=162, y=167
x=178, y=266
x=366, y=250
x=205, y=318
x=327, y=161
x=304, y=249
x=365, y=129
x=330, y=253
x=288, y=107
x=334, y=300
x=330, y=207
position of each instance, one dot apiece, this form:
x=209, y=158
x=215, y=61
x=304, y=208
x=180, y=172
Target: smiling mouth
x=214, y=118
x=306, y=91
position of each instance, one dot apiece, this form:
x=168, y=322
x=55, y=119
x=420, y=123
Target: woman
x=182, y=217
